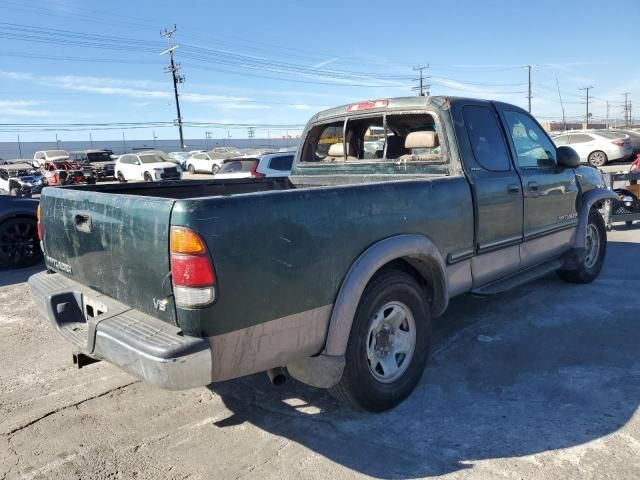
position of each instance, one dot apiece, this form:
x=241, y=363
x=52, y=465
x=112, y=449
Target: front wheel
x=595, y=251
x=215, y=169
x=191, y=169
x=121, y=178
x=148, y=177
x=388, y=344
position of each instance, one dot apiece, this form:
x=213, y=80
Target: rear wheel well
x=417, y=269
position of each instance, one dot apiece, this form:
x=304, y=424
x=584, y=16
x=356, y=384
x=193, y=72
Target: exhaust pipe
x=277, y=376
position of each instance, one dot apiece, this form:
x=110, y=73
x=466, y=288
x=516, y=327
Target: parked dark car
x=20, y=178
x=19, y=244
x=97, y=164
x=334, y=272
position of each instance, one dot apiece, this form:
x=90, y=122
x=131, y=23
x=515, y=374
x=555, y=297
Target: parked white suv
x=596, y=147
x=267, y=165
x=206, y=162
x=150, y=166
x=39, y=158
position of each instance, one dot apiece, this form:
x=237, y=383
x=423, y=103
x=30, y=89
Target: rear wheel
x=14, y=192
x=598, y=158
x=148, y=177
x=191, y=169
x=388, y=344
x=19, y=243
x=595, y=251
x=215, y=169
x=121, y=178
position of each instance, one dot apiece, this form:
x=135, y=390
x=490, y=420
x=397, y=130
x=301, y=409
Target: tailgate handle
x=83, y=222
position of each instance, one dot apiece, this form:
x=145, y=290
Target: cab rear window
x=237, y=166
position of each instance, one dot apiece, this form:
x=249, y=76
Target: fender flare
x=587, y=201
x=422, y=254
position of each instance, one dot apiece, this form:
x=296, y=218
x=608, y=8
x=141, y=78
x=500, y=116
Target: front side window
x=561, y=140
x=580, y=138
x=153, y=158
x=488, y=144
x=533, y=147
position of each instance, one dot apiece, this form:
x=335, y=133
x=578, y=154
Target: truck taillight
x=356, y=107
x=191, y=269
x=619, y=143
x=39, y=225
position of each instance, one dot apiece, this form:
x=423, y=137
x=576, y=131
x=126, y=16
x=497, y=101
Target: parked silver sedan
x=596, y=147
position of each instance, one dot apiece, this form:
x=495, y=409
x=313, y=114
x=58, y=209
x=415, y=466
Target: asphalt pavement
x=542, y=382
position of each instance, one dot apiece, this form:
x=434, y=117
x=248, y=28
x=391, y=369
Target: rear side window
x=282, y=164
x=561, y=140
x=580, y=138
x=487, y=142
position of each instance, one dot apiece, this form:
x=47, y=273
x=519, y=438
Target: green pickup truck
x=393, y=207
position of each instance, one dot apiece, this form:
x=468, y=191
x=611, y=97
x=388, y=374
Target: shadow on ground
x=18, y=275
x=548, y=366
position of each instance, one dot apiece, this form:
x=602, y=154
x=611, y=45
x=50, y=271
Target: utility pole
x=607, y=122
x=124, y=144
x=564, y=122
x=251, y=133
x=626, y=109
x=207, y=136
x=587, y=90
x=173, y=69
x=19, y=147
x=154, y=138
x=529, y=95
x=57, y=142
x=90, y=139
x=421, y=85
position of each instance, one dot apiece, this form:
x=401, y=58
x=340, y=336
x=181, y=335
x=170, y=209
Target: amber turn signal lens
x=38, y=213
x=187, y=241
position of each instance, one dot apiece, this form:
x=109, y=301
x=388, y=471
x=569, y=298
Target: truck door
x=550, y=192
x=496, y=188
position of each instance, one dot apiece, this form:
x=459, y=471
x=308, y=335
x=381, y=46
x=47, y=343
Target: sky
x=75, y=68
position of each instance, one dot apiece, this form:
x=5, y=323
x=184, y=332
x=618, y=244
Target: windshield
x=153, y=158
x=98, y=157
x=57, y=153
x=237, y=166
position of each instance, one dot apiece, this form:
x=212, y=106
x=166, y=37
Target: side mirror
x=567, y=157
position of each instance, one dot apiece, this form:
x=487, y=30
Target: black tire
x=598, y=158
x=19, y=243
x=14, y=192
x=628, y=223
x=592, y=262
x=358, y=384
x=148, y=177
x=191, y=169
x=121, y=178
x=215, y=169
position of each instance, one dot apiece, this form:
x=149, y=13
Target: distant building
x=559, y=126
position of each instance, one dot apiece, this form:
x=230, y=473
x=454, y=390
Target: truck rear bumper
x=102, y=328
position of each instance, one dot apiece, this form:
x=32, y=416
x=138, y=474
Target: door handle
x=533, y=186
x=513, y=188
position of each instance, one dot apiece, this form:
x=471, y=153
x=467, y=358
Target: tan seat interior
x=336, y=153
x=417, y=140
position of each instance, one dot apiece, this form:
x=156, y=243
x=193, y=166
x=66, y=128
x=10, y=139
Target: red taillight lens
x=192, y=273
x=619, y=143
x=255, y=173
x=191, y=270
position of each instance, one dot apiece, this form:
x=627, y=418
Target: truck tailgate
x=116, y=244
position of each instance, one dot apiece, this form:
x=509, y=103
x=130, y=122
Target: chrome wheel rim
x=592, y=245
x=597, y=159
x=391, y=342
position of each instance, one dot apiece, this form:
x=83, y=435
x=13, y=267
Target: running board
x=519, y=278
